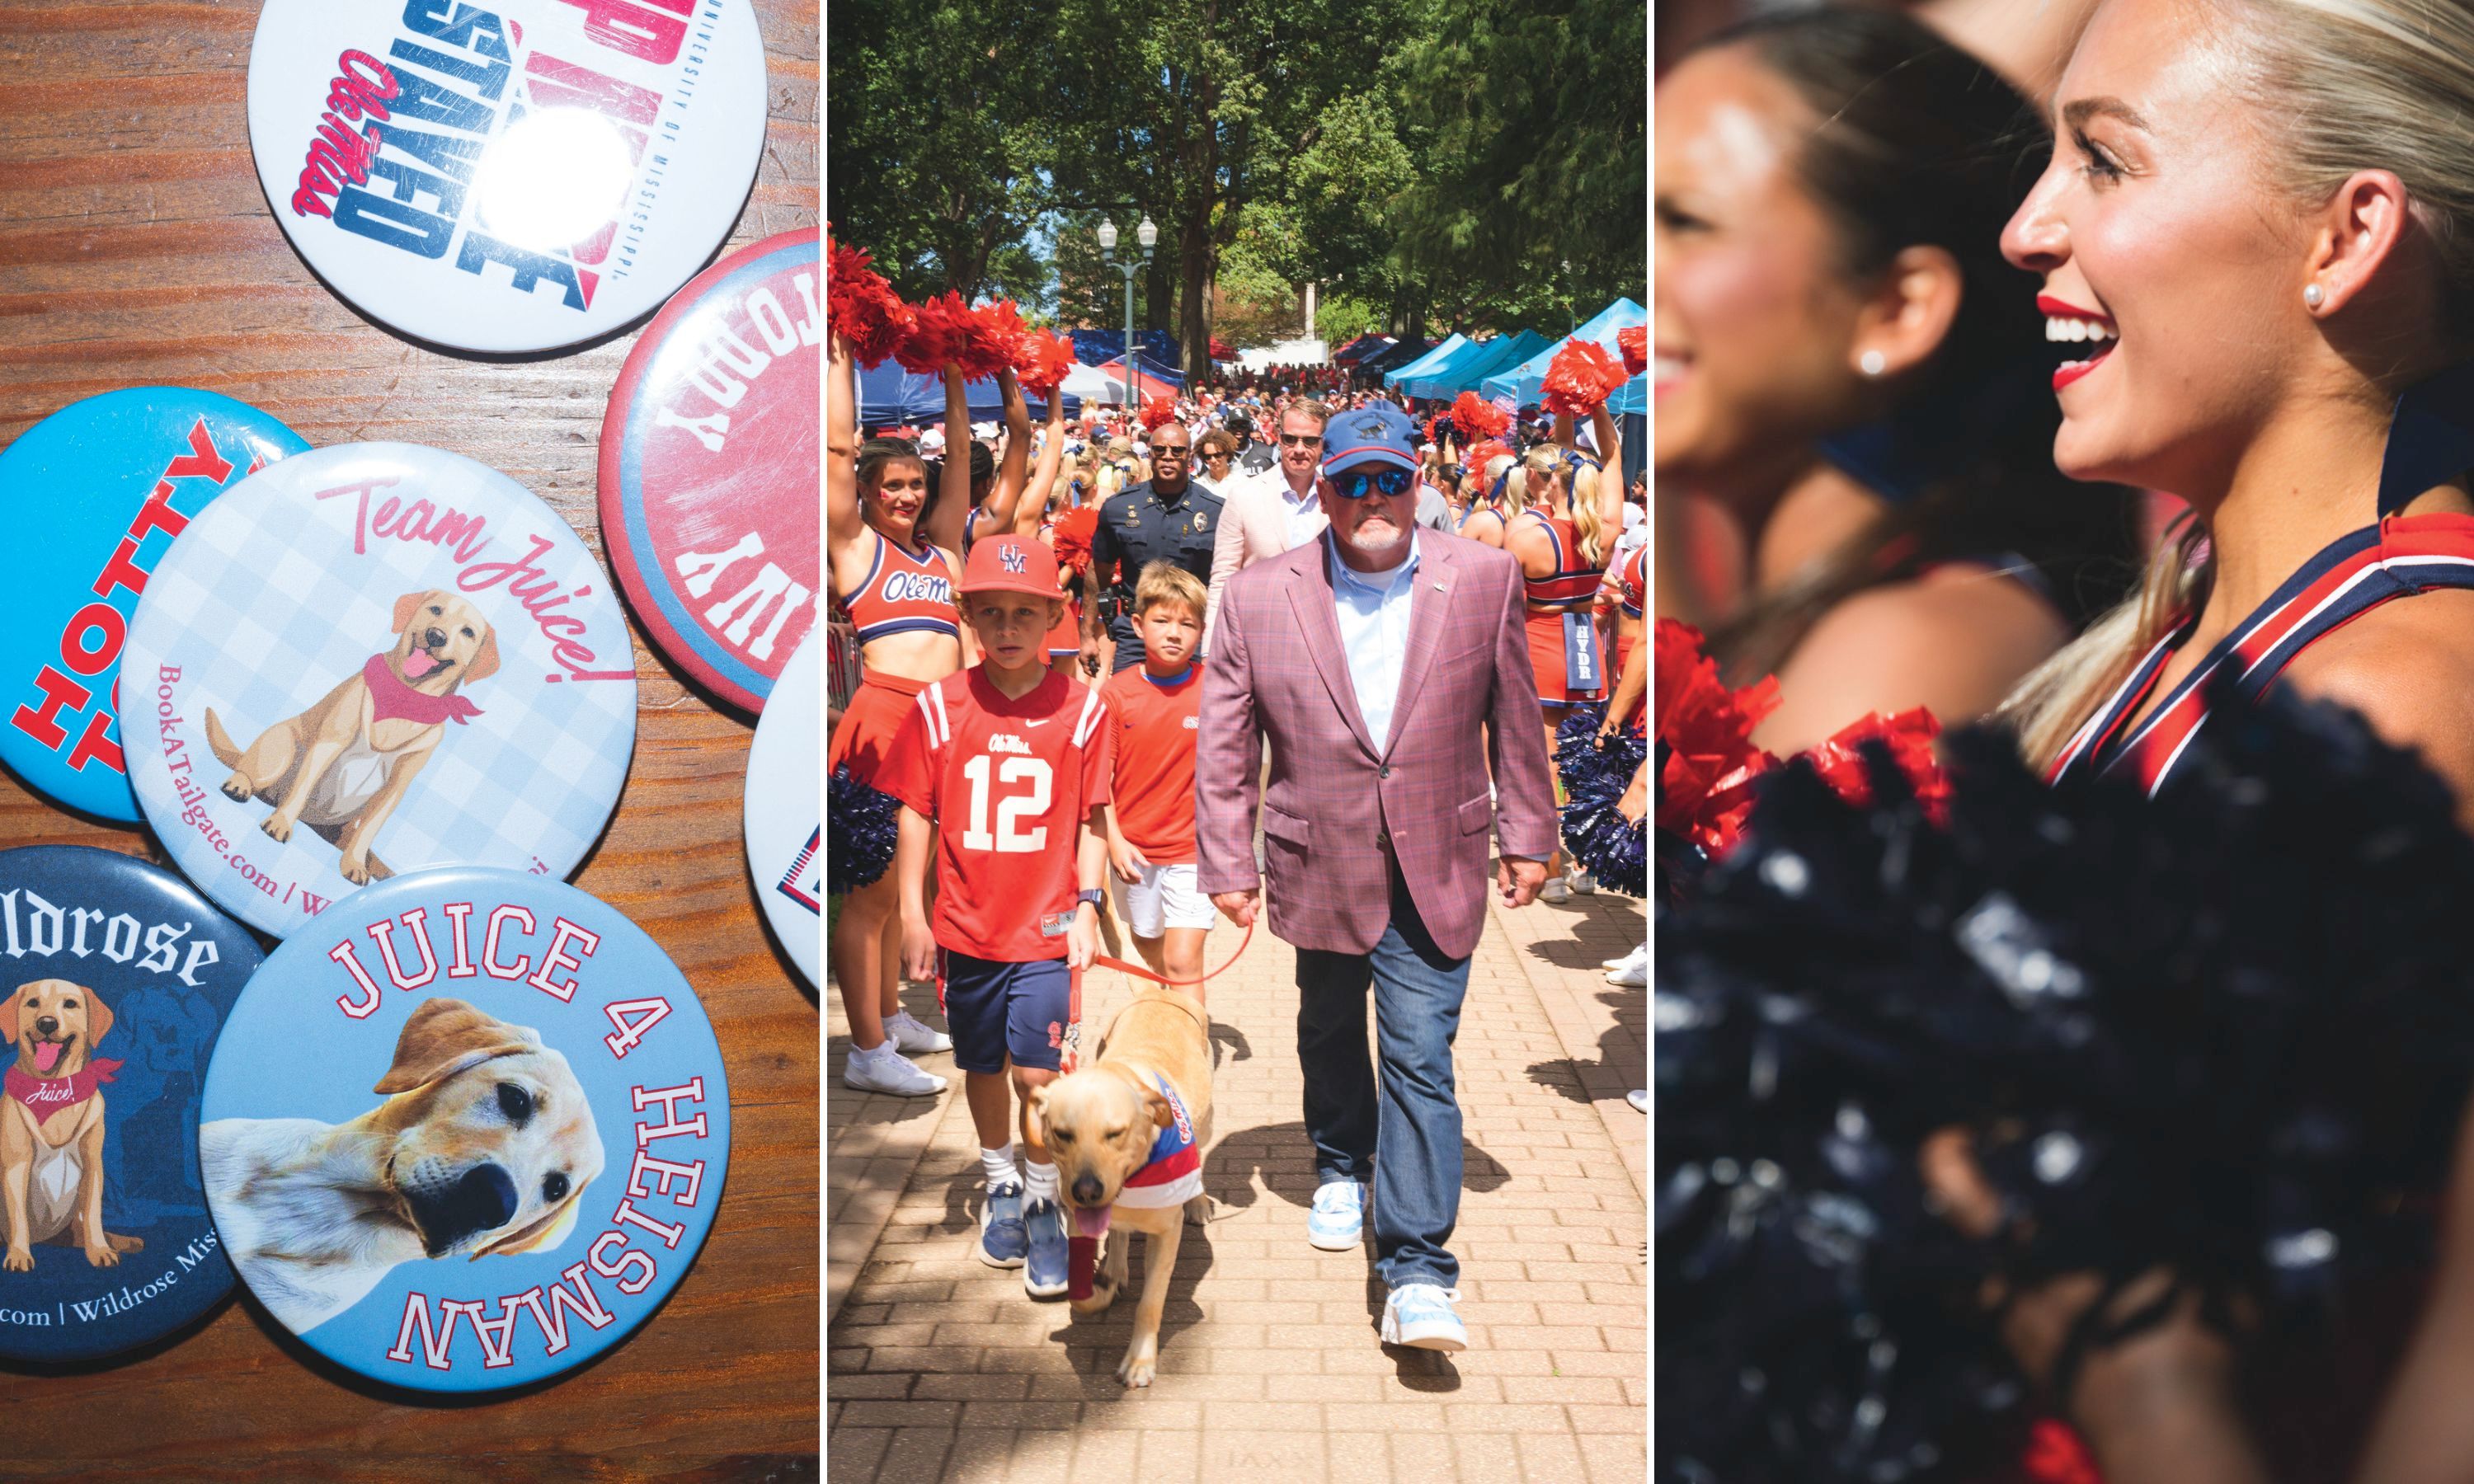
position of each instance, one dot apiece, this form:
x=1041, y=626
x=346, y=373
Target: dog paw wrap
x=1081, y=1260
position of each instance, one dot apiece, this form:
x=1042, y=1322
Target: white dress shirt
x=1373, y=610
x=1306, y=519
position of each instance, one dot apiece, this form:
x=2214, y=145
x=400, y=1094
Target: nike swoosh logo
x=1026, y=725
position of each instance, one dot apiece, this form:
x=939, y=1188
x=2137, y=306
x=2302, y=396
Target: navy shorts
x=998, y=1011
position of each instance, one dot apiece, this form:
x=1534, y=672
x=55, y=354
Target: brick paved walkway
x=942, y=1369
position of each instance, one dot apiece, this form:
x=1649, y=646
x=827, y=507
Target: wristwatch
x=1092, y=898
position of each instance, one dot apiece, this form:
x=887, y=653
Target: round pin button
x=513, y=178
x=469, y=1132
x=117, y=976
x=368, y=660
x=96, y=493
x=785, y=812
x=708, y=468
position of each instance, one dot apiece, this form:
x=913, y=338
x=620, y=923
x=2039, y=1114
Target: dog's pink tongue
x=418, y=662
x=1092, y=1221
x=46, y=1052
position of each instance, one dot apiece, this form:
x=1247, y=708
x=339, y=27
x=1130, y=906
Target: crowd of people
x=2088, y=402
x=1075, y=669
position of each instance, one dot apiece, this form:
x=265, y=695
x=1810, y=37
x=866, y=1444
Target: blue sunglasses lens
x=1391, y=481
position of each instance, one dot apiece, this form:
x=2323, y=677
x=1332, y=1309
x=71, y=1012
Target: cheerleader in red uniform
x=890, y=548
x=1570, y=514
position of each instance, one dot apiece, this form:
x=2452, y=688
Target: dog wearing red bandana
x=52, y=1124
x=341, y=766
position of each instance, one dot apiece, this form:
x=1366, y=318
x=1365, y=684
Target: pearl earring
x=2312, y=294
x=1873, y=363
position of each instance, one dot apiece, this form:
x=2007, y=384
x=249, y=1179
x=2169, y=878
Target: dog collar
x=44, y=1096
x=394, y=700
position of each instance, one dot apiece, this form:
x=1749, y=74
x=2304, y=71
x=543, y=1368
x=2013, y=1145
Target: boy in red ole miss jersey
x=1156, y=707
x=1003, y=771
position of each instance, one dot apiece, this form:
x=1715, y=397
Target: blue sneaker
x=1044, y=1276
x=1421, y=1315
x=1003, y=1243
x=1337, y=1221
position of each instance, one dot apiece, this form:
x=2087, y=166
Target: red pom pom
x=1706, y=786
x=1909, y=735
x=1157, y=410
x=980, y=342
x=2055, y=1455
x=861, y=307
x=1581, y=378
x=1484, y=454
x=1069, y=537
x=1633, y=342
x=1477, y=418
x=1044, y=363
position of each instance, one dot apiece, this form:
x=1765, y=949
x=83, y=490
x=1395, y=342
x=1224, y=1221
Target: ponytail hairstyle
x=2340, y=85
x=1912, y=142
x=1583, y=481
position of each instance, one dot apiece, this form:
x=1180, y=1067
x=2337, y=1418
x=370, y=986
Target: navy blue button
x=117, y=976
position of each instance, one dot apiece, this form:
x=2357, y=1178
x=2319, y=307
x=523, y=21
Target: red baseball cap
x=1011, y=564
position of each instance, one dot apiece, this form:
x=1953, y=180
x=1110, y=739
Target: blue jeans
x=1416, y=1121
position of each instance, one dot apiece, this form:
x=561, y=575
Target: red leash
x=1073, y=1057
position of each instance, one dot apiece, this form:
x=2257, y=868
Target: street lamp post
x=1148, y=236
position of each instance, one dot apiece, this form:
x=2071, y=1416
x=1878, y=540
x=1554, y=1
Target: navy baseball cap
x=1380, y=434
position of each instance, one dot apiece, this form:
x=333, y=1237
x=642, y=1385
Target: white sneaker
x=1638, y=1098
x=1580, y=881
x=912, y=1038
x=1554, y=893
x=1421, y=1315
x=885, y=1070
x=1632, y=974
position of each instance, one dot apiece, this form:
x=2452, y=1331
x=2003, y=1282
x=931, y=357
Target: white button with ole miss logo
x=468, y=1133
x=368, y=660
x=513, y=175
x=786, y=811
x=96, y=493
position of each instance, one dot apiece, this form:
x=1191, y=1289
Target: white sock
x=997, y=1164
x=1039, y=1183
x=881, y=1048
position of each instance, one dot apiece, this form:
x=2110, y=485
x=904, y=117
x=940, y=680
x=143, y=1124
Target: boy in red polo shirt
x=1156, y=707
x=1003, y=771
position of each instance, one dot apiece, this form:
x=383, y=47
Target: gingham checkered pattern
x=265, y=608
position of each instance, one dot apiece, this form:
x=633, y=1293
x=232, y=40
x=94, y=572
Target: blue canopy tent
x=1363, y=346
x=1154, y=376
x=889, y=396
x=1400, y=353
x=1392, y=378
x=1525, y=382
x=1467, y=371
x=1095, y=347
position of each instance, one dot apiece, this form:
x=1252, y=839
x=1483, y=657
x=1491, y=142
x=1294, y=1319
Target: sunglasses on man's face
x=1301, y=440
x=1169, y=450
x=1353, y=484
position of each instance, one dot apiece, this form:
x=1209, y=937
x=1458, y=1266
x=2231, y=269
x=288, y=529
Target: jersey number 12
x=1009, y=839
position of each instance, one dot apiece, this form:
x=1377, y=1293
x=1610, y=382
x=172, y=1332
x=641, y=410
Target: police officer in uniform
x=1168, y=518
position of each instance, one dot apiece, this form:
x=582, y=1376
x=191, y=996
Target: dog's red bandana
x=392, y=699
x=44, y=1096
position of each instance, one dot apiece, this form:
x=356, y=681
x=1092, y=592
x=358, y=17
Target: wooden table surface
x=137, y=249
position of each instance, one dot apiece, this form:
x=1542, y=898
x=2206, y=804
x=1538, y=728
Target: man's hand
x=1083, y=938
x=918, y=951
x=1239, y=907
x=1125, y=860
x=1519, y=877
x=1090, y=657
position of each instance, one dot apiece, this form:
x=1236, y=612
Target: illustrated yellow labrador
x=52, y=1124
x=1128, y=1134
x=343, y=765
x=483, y=1147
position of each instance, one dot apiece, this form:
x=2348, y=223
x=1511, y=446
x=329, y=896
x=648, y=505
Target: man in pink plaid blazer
x=1380, y=662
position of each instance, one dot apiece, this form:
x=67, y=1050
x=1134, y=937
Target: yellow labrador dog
x=343, y=765
x=1128, y=1136
x=52, y=1124
x=484, y=1148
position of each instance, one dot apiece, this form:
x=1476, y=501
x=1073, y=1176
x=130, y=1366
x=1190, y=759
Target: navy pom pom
x=1610, y=847
x=860, y=827
x=2223, y=1033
